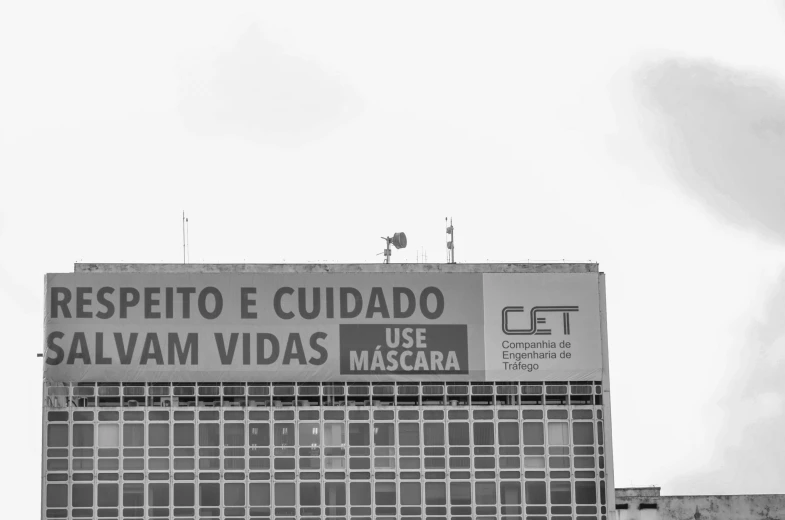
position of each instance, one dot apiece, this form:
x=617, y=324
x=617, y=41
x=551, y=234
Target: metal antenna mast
x=450, y=242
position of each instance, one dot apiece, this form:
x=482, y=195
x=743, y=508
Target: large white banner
x=322, y=327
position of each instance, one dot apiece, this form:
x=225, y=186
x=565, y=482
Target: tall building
x=408, y=391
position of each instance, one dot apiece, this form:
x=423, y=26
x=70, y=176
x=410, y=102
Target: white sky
x=634, y=134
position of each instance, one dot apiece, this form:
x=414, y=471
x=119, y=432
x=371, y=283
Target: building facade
x=327, y=392
x=648, y=504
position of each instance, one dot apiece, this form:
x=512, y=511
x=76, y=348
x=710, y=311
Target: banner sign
x=322, y=327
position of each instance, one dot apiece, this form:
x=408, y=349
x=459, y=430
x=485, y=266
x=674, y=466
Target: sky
x=646, y=136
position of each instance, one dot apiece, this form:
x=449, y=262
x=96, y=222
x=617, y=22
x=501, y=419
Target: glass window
x=334, y=434
x=334, y=494
x=560, y=492
x=384, y=434
x=533, y=434
x=309, y=435
x=158, y=494
x=184, y=434
x=133, y=495
x=259, y=434
x=485, y=493
x=510, y=493
x=83, y=435
x=385, y=493
x=433, y=434
x=57, y=495
x=158, y=434
x=259, y=494
x=360, y=493
x=310, y=494
x=558, y=434
x=133, y=435
x=585, y=492
x=209, y=493
x=183, y=494
x=284, y=434
x=534, y=462
x=483, y=434
x=409, y=434
x=82, y=495
x=459, y=434
x=209, y=434
x=359, y=434
x=234, y=493
x=535, y=492
x=57, y=435
x=460, y=493
x=108, y=495
x=435, y=494
x=284, y=493
x=583, y=433
x=508, y=434
x=234, y=434
x=411, y=494
x=108, y=435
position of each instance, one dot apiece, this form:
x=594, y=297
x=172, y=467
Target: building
x=648, y=504
x=436, y=391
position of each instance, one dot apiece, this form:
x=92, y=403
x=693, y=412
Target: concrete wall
x=699, y=507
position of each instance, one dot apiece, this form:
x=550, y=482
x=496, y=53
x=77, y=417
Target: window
x=583, y=433
x=460, y=493
x=209, y=494
x=234, y=493
x=284, y=494
x=360, y=493
x=309, y=435
x=410, y=494
x=107, y=495
x=433, y=434
x=108, y=435
x=384, y=434
x=284, y=434
x=409, y=434
x=334, y=434
x=133, y=435
x=560, y=492
x=57, y=495
x=209, y=434
x=310, y=494
x=183, y=494
x=234, y=434
x=158, y=495
x=485, y=493
x=359, y=434
x=532, y=434
x=82, y=495
x=558, y=434
x=259, y=494
x=508, y=434
x=259, y=434
x=133, y=495
x=535, y=492
x=510, y=493
x=158, y=434
x=385, y=493
x=184, y=434
x=459, y=434
x=83, y=435
x=334, y=494
x=435, y=494
x=585, y=492
x=483, y=434
x=57, y=435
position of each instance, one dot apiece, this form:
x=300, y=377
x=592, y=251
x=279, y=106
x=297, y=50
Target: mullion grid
x=322, y=445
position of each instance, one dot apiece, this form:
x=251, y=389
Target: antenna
x=398, y=240
x=450, y=242
x=183, y=236
x=187, y=240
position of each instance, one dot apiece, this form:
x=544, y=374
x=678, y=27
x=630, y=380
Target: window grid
x=92, y=458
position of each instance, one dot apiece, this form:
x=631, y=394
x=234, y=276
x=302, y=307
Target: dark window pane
x=483, y=434
x=411, y=494
x=409, y=434
x=133, y=495
x=535, y=492
x=158, y=495
x=360, y=493
x=510, y=493
x=485, y=493
x=359, y=434
x=209, y=493
x=107, y=495
x=460, y=493
x=385, y=493
x=508, y=434
x=133, y=435
x=234, y=434
x=533, y=434
x=585, y=492
x=433, y=434
x=435, y=494
x=335, y=494
x=560, y=492
x=459, y=434
x=57, y=435
x=284, y=434
x=82, y=495
x=284, y=494
x=259, y=494
x=57, y=495
x=384, y=434
x=158, y=435
x=209, y=434
x=184, y=434
x=234, y=493
x=183, y=494
x=583, y=433
x=83, y=435
x=259, y=434
x=310, y=494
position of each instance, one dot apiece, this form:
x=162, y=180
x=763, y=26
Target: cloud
x=258, y=91
x=721, y=133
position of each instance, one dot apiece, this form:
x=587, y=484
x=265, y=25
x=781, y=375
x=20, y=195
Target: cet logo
x=537, y=320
